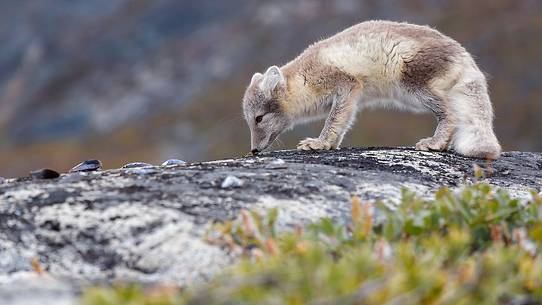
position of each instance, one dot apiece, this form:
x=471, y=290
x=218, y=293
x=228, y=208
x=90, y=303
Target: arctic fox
x=376, y=63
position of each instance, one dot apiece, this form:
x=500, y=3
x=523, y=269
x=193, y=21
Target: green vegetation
x=477, y=246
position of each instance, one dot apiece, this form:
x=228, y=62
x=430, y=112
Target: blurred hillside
x=136, y=80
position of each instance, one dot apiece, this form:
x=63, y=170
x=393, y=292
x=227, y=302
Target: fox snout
x=259, y=141
x=262, y=138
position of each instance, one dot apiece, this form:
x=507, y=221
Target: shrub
x=476, y=246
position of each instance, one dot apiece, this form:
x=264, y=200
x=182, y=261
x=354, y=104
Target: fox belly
x=392, y=96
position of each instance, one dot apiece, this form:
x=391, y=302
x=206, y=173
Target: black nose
x=255, y=151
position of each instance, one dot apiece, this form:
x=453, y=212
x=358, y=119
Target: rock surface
x=146, y=225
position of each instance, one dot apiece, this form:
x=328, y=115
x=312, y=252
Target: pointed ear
x=255, y=78
x=272, y=79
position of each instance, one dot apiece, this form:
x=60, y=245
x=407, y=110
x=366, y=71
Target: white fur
x=474, y=134
x=271, y=79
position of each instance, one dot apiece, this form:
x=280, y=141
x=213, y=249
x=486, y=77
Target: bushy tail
x=473, y=113
x=476, y=141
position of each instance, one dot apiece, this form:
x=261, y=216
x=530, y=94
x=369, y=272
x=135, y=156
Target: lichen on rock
x=122, y=225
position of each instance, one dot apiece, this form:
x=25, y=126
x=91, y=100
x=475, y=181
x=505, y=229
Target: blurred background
x=141, y=80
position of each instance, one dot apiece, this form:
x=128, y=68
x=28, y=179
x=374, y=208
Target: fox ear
x=272, y=79
x=255, y=78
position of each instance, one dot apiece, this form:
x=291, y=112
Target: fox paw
x=314, y=144
x=431, y=144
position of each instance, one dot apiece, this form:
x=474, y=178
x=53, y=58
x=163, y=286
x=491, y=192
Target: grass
x=476, y=246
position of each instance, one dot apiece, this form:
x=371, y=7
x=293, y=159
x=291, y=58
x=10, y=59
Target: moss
x=477, y=246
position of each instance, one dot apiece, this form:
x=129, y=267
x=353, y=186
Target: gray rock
x=142, y=171
x=119, y=226
x=33, y=289
x=44, y=173
x=74, y=177
x=12, y=260
x=87, y=166
x=277, y=164
x=137, y=165
x=231, y=181
x=173, y=162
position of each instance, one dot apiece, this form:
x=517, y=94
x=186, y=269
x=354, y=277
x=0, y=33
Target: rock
x=11, y=260
x=230, y=182
x=277, y=164
x=87, y=166
x=44, y=173
x=29, y=288
x=172, y=162
x=142, y=171
x=74, y=177
x=118, y=225
x=137, y=165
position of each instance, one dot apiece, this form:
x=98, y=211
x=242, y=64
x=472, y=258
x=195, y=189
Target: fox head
x=263, y=108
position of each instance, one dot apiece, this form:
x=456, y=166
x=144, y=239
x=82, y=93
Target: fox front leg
x=340, y=119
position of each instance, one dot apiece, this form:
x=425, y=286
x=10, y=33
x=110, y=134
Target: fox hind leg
x=474, y=135
x=440, y=140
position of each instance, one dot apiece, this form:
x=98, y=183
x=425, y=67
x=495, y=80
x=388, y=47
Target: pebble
x=231, y=181
x=141, y=171
x=87, y=166
x=44, y=173
x=277, y=164
x=136, y=165
x=12, y=261
x=171, y=162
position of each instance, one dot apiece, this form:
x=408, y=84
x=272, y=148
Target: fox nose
x=255, y=151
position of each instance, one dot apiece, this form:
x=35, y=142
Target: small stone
x=172, y=162
x=136, y=165
x=87, y=166
x=277, y=164
x=141, y=171
x=11, y=260
x=231, y=181
x=44, y=173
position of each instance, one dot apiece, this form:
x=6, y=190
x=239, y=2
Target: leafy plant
x=476, y=246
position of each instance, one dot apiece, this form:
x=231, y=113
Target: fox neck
x=302, y=103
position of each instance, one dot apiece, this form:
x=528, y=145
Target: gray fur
x=432, y=60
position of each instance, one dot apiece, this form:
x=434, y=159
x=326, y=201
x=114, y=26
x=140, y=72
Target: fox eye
x=259, y=119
